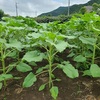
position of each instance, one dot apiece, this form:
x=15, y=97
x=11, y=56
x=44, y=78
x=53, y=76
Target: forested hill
x=73, y=9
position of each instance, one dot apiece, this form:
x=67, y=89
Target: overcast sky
x=34, y=7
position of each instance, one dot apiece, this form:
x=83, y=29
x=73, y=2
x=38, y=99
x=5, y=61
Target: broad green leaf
x=54, y=92
x=1, y=85
x=50, y=35
x=2, y=40
x=33, y=56
x=58, y=80
x=32, y=63
x=95, y=70
x=90, y=41
x=16, y=28
x=87, y=72
x=61, y=46
x=70, y=71
x=35, y=35
x=71, y=54
x=5, y=77
x=88, y=53
x=15, y=44
x=42, y=87
x=95, y=29
x=80, y=58
x=29, y=80
x=13, y=54
x=39, y=70
x=64, y=36
x=71, y=37
x=10, y=67
x=23, y=67
x=50, y=42
x=61, y=36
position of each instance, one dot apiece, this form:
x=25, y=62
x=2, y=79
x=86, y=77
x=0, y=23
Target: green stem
x=93, y=57
x=97, y=47
x=50, y=67
x=9, y=53
x=3, y=65
x=54, y=69
x=42, y=72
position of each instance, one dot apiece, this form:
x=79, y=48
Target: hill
x=73, y=9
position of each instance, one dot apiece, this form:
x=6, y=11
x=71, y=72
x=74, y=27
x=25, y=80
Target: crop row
x=26, y=42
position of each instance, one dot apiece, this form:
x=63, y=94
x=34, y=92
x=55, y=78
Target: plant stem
x=93, y=57
x=42, y=72
x=50, y=74
x=98, y=47
x=3, y=64
x=50, y=66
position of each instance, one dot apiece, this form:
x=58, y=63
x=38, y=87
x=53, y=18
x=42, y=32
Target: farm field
x=50, y=61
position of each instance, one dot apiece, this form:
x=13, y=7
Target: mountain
x=73, y=9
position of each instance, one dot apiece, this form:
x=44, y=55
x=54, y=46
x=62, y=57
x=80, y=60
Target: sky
x=34, y=7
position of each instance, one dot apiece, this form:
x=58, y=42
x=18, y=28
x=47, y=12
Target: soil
x=82, y=88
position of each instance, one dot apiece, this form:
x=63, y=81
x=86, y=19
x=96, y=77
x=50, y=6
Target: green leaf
x=32, y=63
x=68, y=69
x=71, y=54
x=23, y=67
x=5, y=77
x=87, y=72
x=50, y=35
x=61, y=46
x=71, y=37
x=80, y=58
x=13, y=54
x=29, y=80
x=42, y=87
x=95, y=70
x=35, y=35
x=95, y=29
x=90, y=41
x=15, y=44
x=33, y=56
x=2, y=40
x=50, y=42
x=17, y=78
x=58, y=80
x=39, y=70
x=1, y=85
x=54, y=92
x=10, y=67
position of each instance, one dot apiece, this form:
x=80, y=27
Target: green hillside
x=73, y=9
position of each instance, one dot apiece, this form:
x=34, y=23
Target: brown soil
x=82, y=88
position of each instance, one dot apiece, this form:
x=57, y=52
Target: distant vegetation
x=73, y=9
x=1, y=13
x=47, y=19
x=60, y=14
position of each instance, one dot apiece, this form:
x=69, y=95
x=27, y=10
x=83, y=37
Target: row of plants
x=25, y=43
x=47, y=19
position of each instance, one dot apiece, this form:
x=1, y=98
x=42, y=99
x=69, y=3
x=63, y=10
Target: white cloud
x=34, y=7
x=78, y=1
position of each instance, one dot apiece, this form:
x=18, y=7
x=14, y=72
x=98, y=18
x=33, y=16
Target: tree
x=83, y=10
x=1, y=13
x=95, y=6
